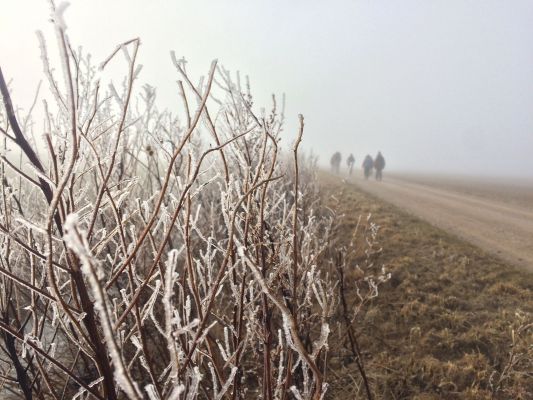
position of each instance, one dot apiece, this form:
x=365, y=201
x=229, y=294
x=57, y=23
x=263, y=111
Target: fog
x=437, y=86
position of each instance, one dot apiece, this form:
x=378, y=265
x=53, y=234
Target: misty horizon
x=441, y=86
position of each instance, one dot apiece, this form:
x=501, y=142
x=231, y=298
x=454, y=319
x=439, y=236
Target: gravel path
x=501, y=227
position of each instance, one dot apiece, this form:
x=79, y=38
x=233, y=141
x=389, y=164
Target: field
x=450, y=323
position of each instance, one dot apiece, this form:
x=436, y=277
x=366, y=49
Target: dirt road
x=502, y=227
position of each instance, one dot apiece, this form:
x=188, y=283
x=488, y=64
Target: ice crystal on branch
x=174, y=257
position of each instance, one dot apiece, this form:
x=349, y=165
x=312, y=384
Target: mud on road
x=496, y=224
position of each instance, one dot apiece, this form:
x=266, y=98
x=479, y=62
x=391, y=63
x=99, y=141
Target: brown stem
x=22, y=377
x=354, y=345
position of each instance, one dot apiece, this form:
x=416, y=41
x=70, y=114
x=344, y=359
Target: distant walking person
x=336, y=162
x=368, y=164
x=350, y=161
x=379, y=165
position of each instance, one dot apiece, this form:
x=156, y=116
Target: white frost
x=58, y=15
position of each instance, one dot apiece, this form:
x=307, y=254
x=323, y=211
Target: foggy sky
x=435, y=85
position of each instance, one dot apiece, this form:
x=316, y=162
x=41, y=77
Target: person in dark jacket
x=368, y=164
x=350, y=161
x=379, y=165
x=335, y=162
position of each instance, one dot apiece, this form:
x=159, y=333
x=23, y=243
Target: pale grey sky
x=444, y=85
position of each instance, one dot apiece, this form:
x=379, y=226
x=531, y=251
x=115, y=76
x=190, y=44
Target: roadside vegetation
x=145, y=254
x=452, y=322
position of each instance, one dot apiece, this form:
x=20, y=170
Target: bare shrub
x=147, y=257
x=515, y=371
x=359, y=276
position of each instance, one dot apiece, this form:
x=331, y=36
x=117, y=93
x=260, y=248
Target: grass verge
x=452, y=322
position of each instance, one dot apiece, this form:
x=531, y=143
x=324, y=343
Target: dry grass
x=442, y=327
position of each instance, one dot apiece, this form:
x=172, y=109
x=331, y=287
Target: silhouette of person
x=336, y=162
x=368, y=164
x=350, y=161
x=379, y=165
